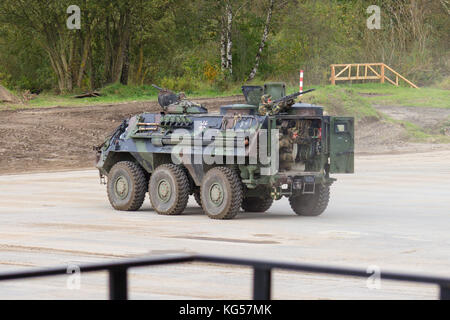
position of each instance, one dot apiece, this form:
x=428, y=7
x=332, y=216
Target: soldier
x=266, y=107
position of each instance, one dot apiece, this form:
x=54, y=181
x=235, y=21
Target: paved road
x=394, y=213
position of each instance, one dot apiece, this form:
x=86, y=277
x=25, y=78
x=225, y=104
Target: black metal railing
x=262, y=273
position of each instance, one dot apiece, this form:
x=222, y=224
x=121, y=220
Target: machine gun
x=172, y=102
x=167, y=97
x=269, y=107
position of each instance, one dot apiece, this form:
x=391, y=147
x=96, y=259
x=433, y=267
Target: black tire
x=190, y=181
x=257, y=204
x=127, y=185
x=169, y=189
x=197, y=197
x=311, y=204
x=221, y=193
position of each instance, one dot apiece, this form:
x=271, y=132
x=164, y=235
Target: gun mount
x=280, y=105
x=177, y=103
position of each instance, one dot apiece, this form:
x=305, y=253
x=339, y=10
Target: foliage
x=177, y=43
x=443, y=84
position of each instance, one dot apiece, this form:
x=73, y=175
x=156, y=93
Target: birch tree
x=262, y=44
x=226, y=38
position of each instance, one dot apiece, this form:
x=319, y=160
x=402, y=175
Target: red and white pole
x=301, y=81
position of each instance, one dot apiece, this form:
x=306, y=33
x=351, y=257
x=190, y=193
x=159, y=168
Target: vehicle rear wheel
x=169, y=189
x=311, y=204
x=127, y=185
x=256, y=204
x=221, y=193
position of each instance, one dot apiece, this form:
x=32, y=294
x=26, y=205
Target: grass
x=343, y=101
x=386, y=94
x=114, y=94
x=355, y=100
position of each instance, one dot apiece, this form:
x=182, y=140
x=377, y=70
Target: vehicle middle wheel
x=169, y=189
x=221, y=193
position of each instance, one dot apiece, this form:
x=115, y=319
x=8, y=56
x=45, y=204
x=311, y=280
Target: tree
x=46, y=22
x=226, y=38
x=265, y=34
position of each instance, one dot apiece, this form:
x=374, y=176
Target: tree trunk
x=144, y=75
x=138, y=76
x=60, y=67
x=91, y=71
x=223, y=45
x=124, y=38
x=263, y=41
x=58, y=71
x=84, y=58
x=117, y=57
x=108, y=53
x=229, y=20
x=126, y=64
x=56, y=48
x=67, y=65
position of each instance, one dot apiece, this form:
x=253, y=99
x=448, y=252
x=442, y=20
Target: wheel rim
x=121, y=187
x=164, y=190
x=216, y=194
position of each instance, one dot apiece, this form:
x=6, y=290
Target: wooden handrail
x=368, y=67
x=401, y=77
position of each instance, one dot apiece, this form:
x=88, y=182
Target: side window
x=340, y=127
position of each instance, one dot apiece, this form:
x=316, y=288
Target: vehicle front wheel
x=169, y=189
x=127, y=185
x=221, y=193
x=311, y=204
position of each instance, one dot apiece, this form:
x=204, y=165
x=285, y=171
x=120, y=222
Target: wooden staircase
x=366, y=71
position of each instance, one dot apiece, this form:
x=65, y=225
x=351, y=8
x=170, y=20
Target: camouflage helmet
x=266, y=98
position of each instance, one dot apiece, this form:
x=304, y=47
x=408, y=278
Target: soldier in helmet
x=265, y=106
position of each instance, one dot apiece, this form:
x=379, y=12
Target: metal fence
x=262, y=273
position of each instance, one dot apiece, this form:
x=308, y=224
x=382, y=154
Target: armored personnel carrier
x=246, y=156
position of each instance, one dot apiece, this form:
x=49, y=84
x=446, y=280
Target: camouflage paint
x=148, y=139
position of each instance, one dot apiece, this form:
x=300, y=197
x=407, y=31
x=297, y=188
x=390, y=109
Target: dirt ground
x=62, y=137
x=431, y=119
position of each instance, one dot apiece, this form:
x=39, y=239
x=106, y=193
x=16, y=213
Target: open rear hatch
x=342, y=146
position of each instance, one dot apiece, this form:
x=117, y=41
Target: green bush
x=443, y=84
x=184, y=83
x=122, y=91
